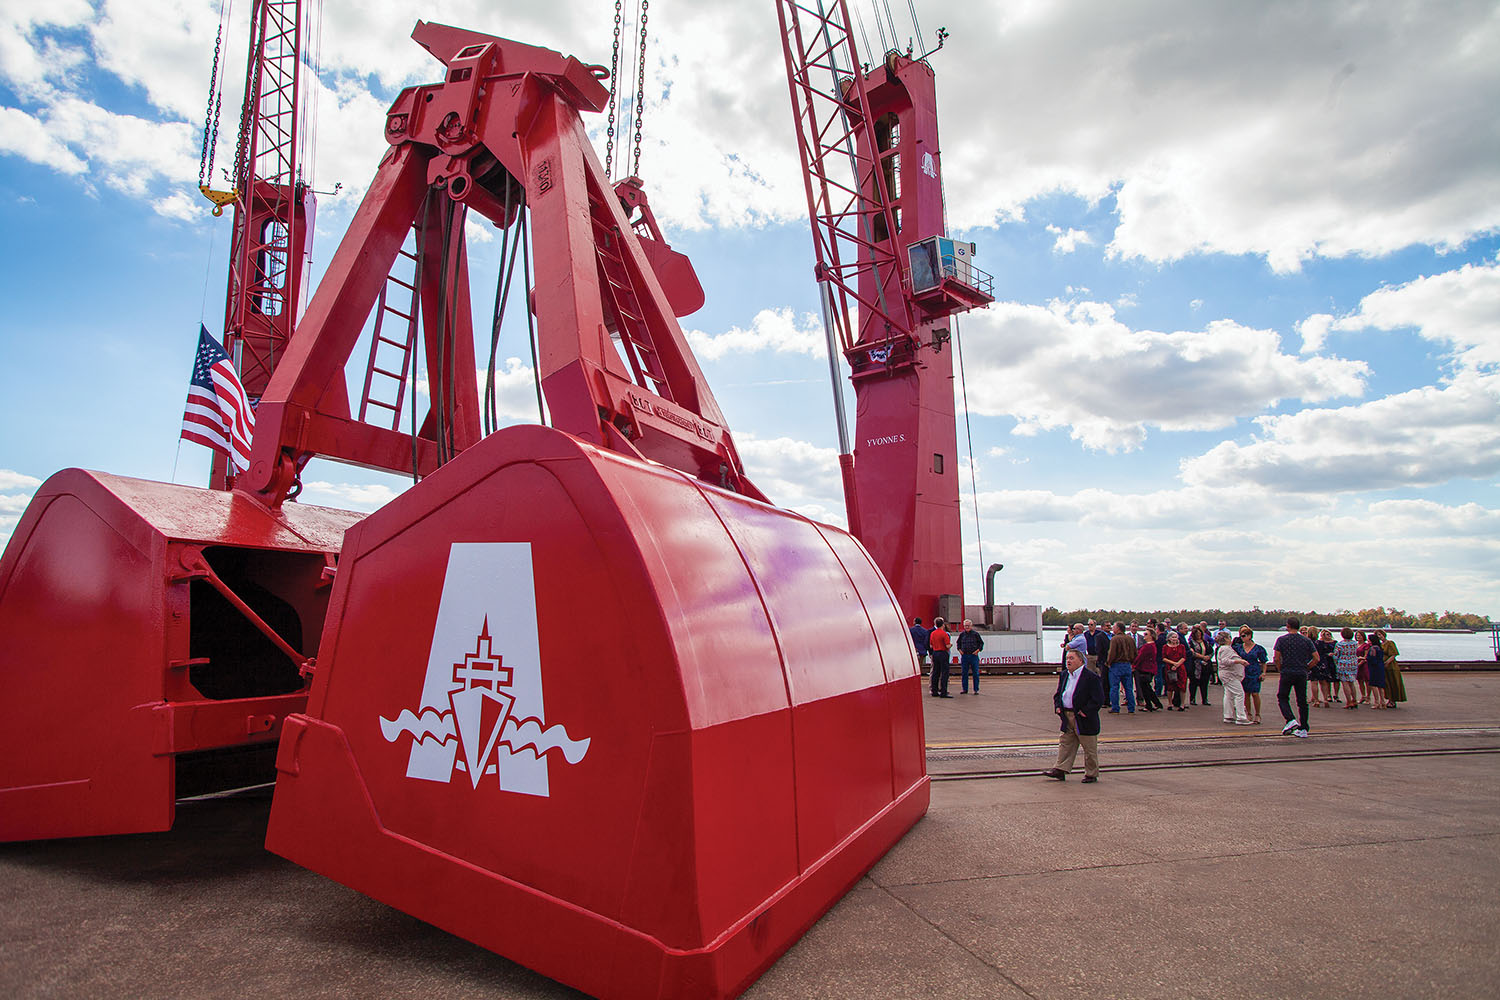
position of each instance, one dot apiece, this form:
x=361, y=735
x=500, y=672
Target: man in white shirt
x=1079, y=697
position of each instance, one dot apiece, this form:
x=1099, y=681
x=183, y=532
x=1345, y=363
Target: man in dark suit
x=1077, y=701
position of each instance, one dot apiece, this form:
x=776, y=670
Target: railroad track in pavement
x=966, y=761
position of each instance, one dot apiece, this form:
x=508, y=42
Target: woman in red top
x=1145, y=673
x=1174, y=662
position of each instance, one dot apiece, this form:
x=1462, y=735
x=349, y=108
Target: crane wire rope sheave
x=638, y=100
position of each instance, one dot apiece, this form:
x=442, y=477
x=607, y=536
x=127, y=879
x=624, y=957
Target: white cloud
x=1407, y=520
x=1216, y=128
x=478, y=229
x=78, y=138
x=1421, y=437
x=718, y=148
x=28, y=56
x=1446, y=558
x=1314, y=330
x=75, y=135
x=348, y=496
x=180, y=206
x=1068, y=240
x=374, y=39
x=128, y=153
x=166, y=47
x=1075, y=365
x=795, y=475
x=1280, y=129
x=515, y=391
x=777, y=330
x=23, y=135
x=1459, y=310
x=15, y=493
x=350, y=139
x=1175, y=508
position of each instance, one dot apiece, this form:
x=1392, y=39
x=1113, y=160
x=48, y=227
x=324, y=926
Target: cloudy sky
x=1246, y=343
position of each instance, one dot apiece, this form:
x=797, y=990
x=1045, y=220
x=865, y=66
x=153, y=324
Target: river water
x=1457, y=646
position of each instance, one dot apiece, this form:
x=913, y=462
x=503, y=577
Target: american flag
x=218, y=413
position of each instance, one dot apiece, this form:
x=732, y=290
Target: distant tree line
x=1258, y=618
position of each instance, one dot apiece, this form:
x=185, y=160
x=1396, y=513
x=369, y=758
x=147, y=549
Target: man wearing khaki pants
x=1077, y=701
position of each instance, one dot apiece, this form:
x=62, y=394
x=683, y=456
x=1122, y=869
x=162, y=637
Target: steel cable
x=916, y=24
x=416, y=341
x=963, y=382
x=497, y=316
x=502, y=300
x=536, y=373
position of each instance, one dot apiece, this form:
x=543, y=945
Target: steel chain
x=640, y=91
x=614, y=72
x=252, y=89
x=211, y=115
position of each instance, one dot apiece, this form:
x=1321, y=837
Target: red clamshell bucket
x=632, y=731
x=133, y=669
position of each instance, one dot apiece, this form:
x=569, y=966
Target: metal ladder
x=620, y=298
x=381, y=363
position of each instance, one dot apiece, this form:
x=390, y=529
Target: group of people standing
x=936, y=644
x=1310, y=661
x=1373, y=678
x=1162, y=660
x=1150, y=663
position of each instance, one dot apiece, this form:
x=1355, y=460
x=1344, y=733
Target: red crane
x=274, y=207
x=872, y=172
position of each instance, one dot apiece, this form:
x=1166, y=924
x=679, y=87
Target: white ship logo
x=481, y=715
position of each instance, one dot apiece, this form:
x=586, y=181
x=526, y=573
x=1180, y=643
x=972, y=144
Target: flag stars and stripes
x=218, y=414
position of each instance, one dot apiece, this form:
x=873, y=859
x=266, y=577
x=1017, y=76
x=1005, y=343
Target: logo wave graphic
x=528, y=734
x=430, y=723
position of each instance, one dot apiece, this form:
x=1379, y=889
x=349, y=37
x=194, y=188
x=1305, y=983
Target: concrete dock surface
x=1208, y=861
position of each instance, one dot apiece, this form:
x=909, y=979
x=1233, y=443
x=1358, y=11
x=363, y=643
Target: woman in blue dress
x=1254, y=655
x=1375, y=663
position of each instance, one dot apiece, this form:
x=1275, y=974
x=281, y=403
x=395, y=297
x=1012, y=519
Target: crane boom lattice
x=848, y=196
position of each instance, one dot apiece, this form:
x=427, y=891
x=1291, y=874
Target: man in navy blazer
x=1077, y=701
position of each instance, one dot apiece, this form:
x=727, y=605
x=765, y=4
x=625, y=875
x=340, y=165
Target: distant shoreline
x=1367, y=628
x=1433, y=631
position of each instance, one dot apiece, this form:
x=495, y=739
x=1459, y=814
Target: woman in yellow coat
x=1395, y=689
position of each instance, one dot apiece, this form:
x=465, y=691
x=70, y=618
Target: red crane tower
x=872, y=170
x=273, y=205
